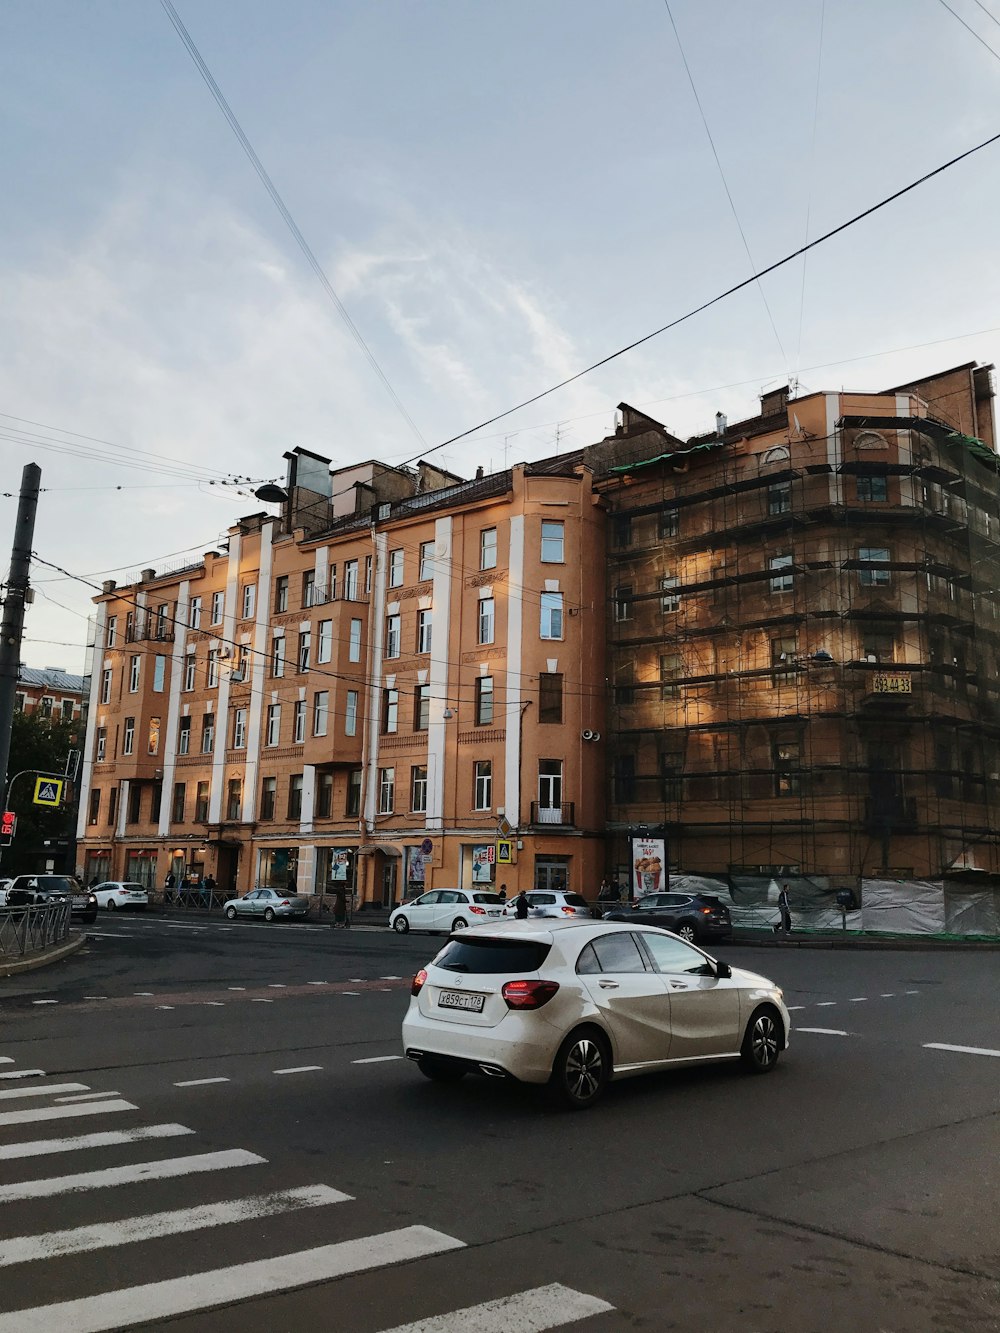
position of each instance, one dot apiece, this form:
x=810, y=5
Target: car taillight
x=706, y=911
x=568, y=911
x=284, y=903
x=417, y=984
x=528, y=994
x=479, y=911
x=123, y=893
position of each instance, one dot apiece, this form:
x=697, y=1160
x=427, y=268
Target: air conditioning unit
x=588, y=735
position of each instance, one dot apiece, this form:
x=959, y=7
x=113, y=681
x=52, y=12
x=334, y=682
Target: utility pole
x=13, y=608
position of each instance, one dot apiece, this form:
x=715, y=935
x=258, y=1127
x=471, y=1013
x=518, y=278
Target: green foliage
x=41, y=743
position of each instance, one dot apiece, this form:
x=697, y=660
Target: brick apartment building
x=50, y=692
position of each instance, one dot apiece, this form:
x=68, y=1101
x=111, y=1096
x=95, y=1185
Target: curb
x=885, y=944
x=43, y=959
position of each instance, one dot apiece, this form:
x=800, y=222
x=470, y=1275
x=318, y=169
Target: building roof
x=52, y=678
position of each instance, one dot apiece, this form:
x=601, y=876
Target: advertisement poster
x=482, y=864
x=415, y=873
x=339, y=865
x=649, y=860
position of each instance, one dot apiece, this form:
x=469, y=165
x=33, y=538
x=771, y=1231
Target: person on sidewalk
x=785, y=908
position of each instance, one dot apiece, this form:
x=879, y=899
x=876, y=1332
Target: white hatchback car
x=551, y=902
x=447, y=910
x=118, y=893
x=575, y=1003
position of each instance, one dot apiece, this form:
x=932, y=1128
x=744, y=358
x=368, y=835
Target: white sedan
x=117, y=893
x=574, y=1003
x=447, y=910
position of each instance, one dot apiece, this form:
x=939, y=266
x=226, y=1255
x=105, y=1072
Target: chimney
x=720, y=424
x=774, y=402
x=148, y=575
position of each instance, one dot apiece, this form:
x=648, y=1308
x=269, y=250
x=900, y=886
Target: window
x=19, y=701
x=625, y=684
x=393, y=633
x=234, y=798
x=102, y=745
x=201, y=803
x=426, y=561
x=488, y=548
x=553, y=542
x=873, y=488
x=550, y=784
x=390, y=711
x=668, y=523
x=612, y=953
x=671, y=670
x=779, y=498
x=350, y=580
x=113, y=804
x=155, y=797
x=621, y=531
x=153, y=736
x=95, y=805
x=672, y=774
x=45, y=706
x=129, y=626
x=110, y=637
x=421, y=708
x=395, y=569
x=487, y=614
x=218, y=602
x=878, y=644
x=484, y=701
x=272, y=732
x=873, y=556
x=178, y=803
x=281, y=594
x=159, y=673
x=184, y=736
x=162, y=632
x=351, y=714
x=787, y=760
x=551, y=617
x=299, y=722
x=482, y=781
x=368, y=574
x=783, y=652
x=324, y=795
x=321, y=712
x=386, y=790
x=189, y=670
x=208, y=733
x=352, y=806
x=354, y=642
x=424, y=629
x=781, y=582
x=106, y=685
x=418, y=789
x=268, y=797
x=278, y=656
x=194, y=613
x=249, y=600
x=623, y=602
x=324, y=644
x=133, y=674
x=669, y=599
x=780, y=454
x=308, y=589
x=305, y=649
x=212, y=674
x=550, y=697
x=332, y=579
x=66, y=707
x=623, y=777
x=295, y=796
x=128, y=738
x=239, y=729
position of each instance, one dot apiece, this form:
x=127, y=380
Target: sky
x=499, y=194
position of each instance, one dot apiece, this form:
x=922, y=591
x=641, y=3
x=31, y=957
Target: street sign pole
x=15, y=597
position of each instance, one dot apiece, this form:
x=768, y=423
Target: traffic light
x=8, y=825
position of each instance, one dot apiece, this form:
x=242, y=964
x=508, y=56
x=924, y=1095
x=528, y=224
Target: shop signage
x=649, y=858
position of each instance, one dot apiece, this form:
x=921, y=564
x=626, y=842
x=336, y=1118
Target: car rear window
x=575, y=900
x=541, y=897
x=487, y=898
x=490, y=956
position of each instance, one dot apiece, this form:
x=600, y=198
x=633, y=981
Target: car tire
x=401, y=925
x=459, y=923
x=581, y=1069
x=762, y=1041
x=687, y=931
x=268, y=913
x=440, y=1071
x=231, y=913
x=109, y=906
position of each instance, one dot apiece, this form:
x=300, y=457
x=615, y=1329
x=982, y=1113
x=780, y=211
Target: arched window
x=780, y=454
x=870, y=439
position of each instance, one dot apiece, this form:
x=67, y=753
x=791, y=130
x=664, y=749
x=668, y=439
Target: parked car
x=447, y=909
x=116, y=893
x=552, y=902
x=4, y=886
x=692, y=916
x=618, y=1000
x=268, y=903
x=29, y=890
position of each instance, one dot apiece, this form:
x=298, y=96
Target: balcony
x=559, y=815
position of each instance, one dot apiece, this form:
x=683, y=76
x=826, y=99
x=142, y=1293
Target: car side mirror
x=722, y=970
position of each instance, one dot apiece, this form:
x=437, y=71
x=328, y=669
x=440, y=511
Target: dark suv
x=29, y=890
x=693, y=916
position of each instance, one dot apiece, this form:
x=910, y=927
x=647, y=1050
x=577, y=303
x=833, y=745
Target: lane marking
x=166, y=1169
x=223, y=1286
x=88, y=1097
x=825, y=1032
x=527, y=1312
x=37, y=1113
x=350, y=992
x=299, y=1069
x=199, y=1082
x=381, y=1059
x=276, y=985
x=214, y=1004
x=825, y=1004
x=888, y=995
x=911, y=992
x=259, y=999
x=44, y=1091
x=6, y=1060
x=236, y=988
x=77, y=1143
x=169, y=925
x=390, y=978
x=164, y=1006
x=857, y=999
x=356, y=980
x=147, y=993
x=962, y=1050
x=317, y=983
x=78, y=1240
x=97, y=997
x=44, y=1001
x=25, y=1073
x=792, y=1007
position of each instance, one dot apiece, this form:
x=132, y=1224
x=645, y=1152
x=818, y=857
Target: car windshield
x=488, y=955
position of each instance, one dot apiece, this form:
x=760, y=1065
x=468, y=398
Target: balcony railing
x=560, y=814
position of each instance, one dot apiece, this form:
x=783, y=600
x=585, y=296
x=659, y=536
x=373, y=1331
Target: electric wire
x=968, y=28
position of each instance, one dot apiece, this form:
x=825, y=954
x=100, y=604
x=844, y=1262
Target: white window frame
x=212, y=672
x=425, y=630
x=396, y=568
x=239, y=729
x=194, y=613
x=184, y=736
x=482, y=785
x=393, y=635
x=354, y=642
x=249, y=603
x=390, y=711
x=551, y=615
x=669, y=599
x=273, y=729
x=106, y=684
x=308, y=589
x=553, y=541
x=488, y=548
x=321, y=712
x=386, y=790
x=133, y=674
x=350, y=580
x=782, y=581
x=190, y=664
x=324, y=641
x=102, y=745
x=278, y=656
x=418, y=789
x=128, y=736
x=426, y=561
x=299, y=722
x=351, y=713
x=218, y=607
x=872, y=576
x=207, y=734
x=112, y=631
x=486, y=620
x=304, y=657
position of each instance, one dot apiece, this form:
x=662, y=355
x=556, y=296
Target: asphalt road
x=258, y=1158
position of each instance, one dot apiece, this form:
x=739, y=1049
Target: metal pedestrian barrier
x=26, y=930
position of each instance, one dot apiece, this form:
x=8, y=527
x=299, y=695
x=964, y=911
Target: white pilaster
x=515, y=646
x=439, y=674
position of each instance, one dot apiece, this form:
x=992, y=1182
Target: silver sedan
x=267, y=903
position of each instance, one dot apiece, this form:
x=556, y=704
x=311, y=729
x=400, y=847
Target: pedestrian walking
x=210, y=888
x=785, y=908
x=339, y=908
x=521, y=906
x=503, y=892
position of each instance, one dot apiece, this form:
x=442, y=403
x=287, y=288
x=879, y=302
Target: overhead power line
x=968, y=28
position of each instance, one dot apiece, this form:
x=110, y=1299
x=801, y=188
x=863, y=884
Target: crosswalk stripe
x=101, y=1236
x=45, y=1090
x=6, y=1059
x=376, y=1059
x=526, y=1312
x=24, y=1073
x=106, y=1139
x=128, y=1175
x=222, y=1286
x=962, y=1050
x=36, y=1113
x=89, y=1096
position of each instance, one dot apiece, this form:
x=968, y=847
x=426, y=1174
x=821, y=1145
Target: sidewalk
x=43, y=957
x=840, y=939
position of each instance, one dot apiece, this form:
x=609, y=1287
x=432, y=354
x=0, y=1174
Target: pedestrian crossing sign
x=48, y=791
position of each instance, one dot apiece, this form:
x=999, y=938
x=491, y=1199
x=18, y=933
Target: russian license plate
x=456, y=999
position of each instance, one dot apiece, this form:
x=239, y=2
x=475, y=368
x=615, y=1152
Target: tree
x=42, y=744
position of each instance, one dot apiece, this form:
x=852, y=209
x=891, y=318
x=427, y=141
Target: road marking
x=199, y=1082
x=169, y=925
x=527, y=1312
x=825, y=1032
x=236, y=988
x=825, y=1004
x=44, y=1091
x=911, y=992
x=148, y=993
x=78, y=1240
x=356, y=980
x=6, y=1060
x=88, y=1097
x=888, y=994
x=36, y=1113
x=276, y=985
x=300, y=1069
x=380, y=1059
x=111, y=1137
x=97, y=997
x=164, y=1006
x=168, y=1168
x=350, y=992
x=223, y=1286
x=44, y=1001
x=317, y=983
x=214, y=1004
x=390, y=978
x=857, y=999
x=100, y=935
x=25, y=1073
x=258, y=999
x=792, y=1007
x=962, y=1050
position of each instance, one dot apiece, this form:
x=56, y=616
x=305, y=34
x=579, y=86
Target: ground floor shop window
x=479, y=864
x=278, y=868
x=552, y=872
x=97, y=866
x=140, y=868
x=336, y=867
